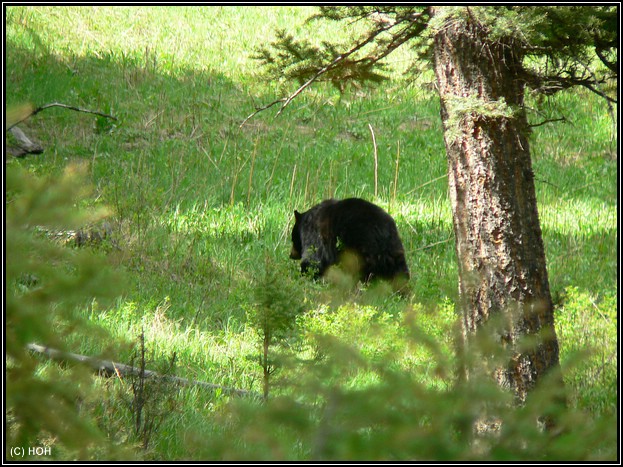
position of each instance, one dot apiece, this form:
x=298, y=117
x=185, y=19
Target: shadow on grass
x=178, y=146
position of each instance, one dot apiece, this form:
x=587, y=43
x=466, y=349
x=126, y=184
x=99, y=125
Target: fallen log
x=109, y=368
x=23, y=145
x=24, y=142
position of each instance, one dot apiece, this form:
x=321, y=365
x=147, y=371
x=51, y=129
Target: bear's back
x=371, y=232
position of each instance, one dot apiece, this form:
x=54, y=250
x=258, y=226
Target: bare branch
x=549, y=120
x=613, y=67
x=261, y=109
x=426, y=247
x=65, y=106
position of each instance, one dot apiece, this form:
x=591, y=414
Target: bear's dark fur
x=352, y=231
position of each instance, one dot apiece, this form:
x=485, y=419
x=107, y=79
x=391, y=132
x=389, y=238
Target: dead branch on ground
x=109, y=368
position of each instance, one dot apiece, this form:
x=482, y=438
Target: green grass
x=201, y=204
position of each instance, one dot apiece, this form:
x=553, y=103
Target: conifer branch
x=336, y=61
x=397, y=40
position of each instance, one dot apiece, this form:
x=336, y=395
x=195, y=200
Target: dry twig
x=58, y=104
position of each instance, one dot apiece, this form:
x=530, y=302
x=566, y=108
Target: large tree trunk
x=499, y=245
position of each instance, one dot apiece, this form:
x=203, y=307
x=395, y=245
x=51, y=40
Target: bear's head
x=307, y=242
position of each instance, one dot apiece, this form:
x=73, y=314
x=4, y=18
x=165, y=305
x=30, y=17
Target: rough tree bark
x=501, y=257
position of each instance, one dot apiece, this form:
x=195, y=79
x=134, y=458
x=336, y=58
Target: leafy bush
x=396, y=416
x=47, y=284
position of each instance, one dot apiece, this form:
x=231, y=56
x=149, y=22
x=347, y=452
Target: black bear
x=351, y=231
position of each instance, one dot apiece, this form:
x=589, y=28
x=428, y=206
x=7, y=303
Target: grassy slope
x=201, y=204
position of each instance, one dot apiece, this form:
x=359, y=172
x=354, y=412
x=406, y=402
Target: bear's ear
x=297, y=215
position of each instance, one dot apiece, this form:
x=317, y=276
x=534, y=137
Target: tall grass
x=201, y=203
